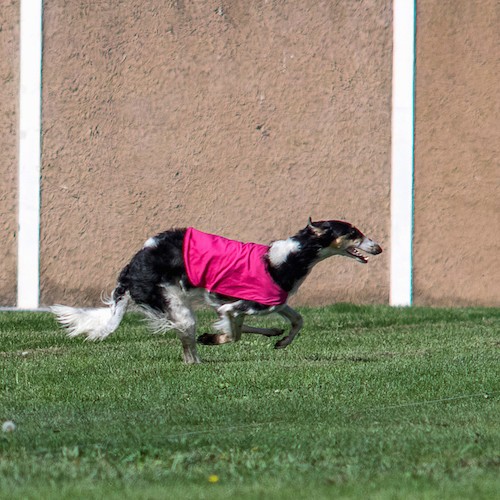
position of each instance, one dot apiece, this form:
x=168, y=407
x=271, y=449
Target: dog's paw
x=281, y=344
x=212, y=339
x=206, y=339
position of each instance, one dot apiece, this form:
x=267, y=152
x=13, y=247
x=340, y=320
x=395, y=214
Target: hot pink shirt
x=230, y=268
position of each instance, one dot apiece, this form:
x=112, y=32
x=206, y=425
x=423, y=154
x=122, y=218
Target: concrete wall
x=457, y=152
x=241, y=120
x=9, y=92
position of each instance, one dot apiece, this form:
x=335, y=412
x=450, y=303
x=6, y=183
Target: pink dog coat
x=230, y=268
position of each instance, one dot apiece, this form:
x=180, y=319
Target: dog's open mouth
x=356, y=254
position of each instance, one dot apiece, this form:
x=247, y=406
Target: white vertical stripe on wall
x=402, y=154
x=28, y=249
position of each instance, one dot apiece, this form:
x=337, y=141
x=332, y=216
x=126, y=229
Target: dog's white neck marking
x=280, y=250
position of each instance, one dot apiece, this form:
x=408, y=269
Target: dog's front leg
x=295, y=320
x=267, y=332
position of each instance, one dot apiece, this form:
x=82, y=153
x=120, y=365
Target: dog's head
x=341, y=238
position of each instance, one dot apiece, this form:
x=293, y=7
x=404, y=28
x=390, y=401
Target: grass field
x=369, y=402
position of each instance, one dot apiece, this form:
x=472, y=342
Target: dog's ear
x=317, y=230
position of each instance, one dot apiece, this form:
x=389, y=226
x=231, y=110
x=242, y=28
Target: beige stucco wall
x=242, y=120
x=9, y=85
x=457, y=151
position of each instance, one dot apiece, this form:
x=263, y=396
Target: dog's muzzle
x=371, y=247
x=367, y=246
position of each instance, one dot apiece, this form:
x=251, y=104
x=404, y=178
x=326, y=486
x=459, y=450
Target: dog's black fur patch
x=154, y=266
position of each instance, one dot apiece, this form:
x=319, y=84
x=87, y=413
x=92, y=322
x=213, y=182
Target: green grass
x=369, y=402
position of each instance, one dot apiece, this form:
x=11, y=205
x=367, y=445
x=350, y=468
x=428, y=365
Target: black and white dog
x=162, y=281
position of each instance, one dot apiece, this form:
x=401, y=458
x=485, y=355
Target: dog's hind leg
x=186, y=332
x=183, y=321
x=230, y=324
x=175, y=314
x=296, y=321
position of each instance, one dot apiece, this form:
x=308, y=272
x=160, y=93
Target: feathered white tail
x=96, y=323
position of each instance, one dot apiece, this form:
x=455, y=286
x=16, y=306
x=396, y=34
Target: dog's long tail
x=95, y=323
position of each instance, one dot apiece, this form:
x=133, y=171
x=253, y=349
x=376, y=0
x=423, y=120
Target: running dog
x=236, y=279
